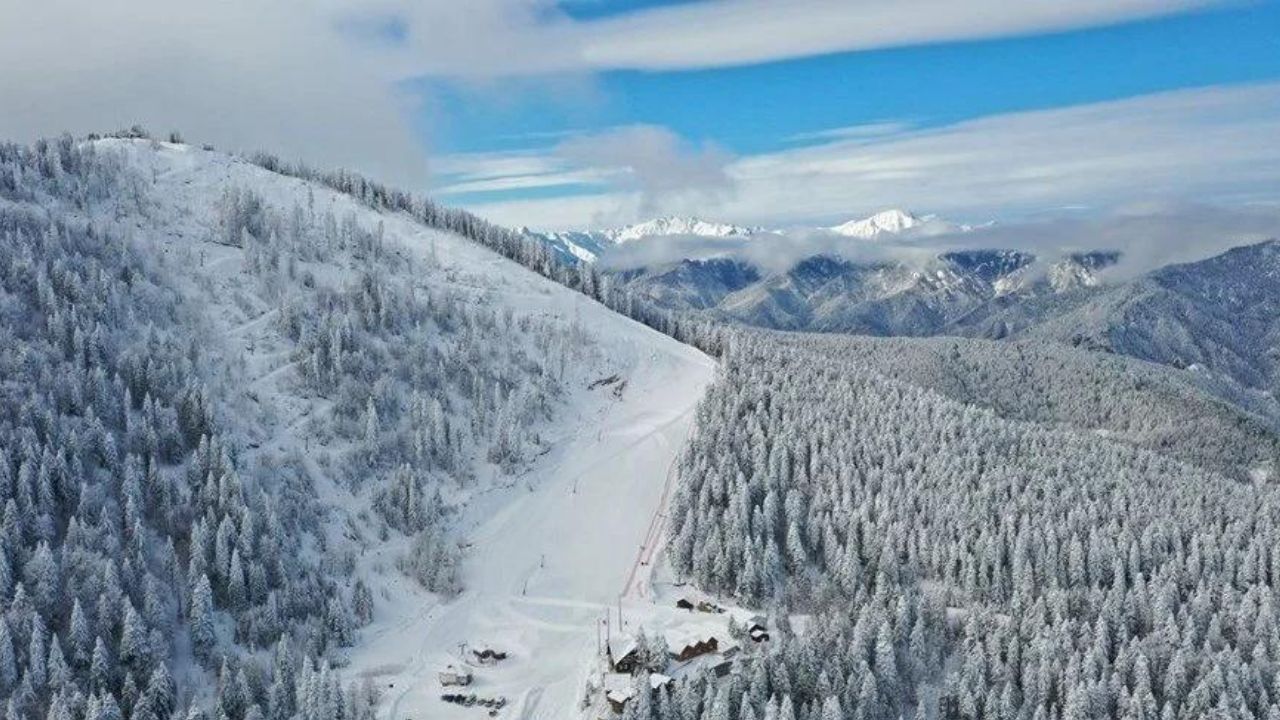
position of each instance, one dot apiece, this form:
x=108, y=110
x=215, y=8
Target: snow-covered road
x=550, y=555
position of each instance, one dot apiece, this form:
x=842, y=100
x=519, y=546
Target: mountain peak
x=677, y=225
x=891, y=221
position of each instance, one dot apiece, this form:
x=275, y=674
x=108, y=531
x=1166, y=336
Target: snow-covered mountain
x=589, y=245
x=279, y=443
x=887, y=222
x=833, y=294
x=675, y=225
x=282, y=427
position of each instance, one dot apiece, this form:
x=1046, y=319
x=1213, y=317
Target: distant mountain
x=674, y=225
x=833, y=294
x=573, y=246
x=1221, y=314
x=589, y=245
x=887, y=222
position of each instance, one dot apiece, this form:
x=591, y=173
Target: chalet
x=684, y=603
x=758, y=628
x=451, y=675
x=758, y=634
x=624, y=655
x=691, y=645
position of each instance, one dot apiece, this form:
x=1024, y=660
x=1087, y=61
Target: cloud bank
x=1147, y=237
x=1214, y=145
x=279, y=76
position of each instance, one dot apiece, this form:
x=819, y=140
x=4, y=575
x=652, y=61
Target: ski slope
x=548, y=549
x=548, y=558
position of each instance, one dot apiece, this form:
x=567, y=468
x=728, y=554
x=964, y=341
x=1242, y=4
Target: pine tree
x=203, y=634
x=8, y=660
x=56, y=669
x=81, y=636
x=101, y=668
x=135, y=650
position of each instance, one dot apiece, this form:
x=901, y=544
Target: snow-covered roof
x=683, y=637
x=622, y=646
x=620, y=696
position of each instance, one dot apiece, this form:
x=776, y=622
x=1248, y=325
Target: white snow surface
x=549, y=556
x=550, y=548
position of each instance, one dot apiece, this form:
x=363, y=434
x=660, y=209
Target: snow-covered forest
x=258, y=422
x=1201, y=417
x=959, y=564
x=217, y=391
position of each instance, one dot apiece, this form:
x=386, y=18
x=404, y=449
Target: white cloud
x=497, y=38
x=1213, y=145
x=316, y=79
x=664, y=169
x=279, y=76
x=735, y=32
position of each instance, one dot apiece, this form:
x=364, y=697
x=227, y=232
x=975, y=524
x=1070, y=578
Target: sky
x=591, y=113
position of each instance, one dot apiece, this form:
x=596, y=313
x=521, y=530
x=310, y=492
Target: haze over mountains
x=1218, y=313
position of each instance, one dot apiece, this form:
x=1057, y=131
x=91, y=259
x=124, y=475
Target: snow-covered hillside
x=444, y=418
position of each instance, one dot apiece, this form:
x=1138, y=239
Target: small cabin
x=758, y=628
x=452, y=675
x=758, y=634
x=684, y=603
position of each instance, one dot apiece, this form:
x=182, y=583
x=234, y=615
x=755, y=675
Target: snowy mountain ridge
x=676, y=225
x=890, y=222
x=589, y=245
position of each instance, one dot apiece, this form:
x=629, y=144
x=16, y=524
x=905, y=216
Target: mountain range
x=1218, y=313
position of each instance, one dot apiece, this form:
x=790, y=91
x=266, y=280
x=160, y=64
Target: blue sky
x=750, y=109
x=574, y=113
x=760, y=107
